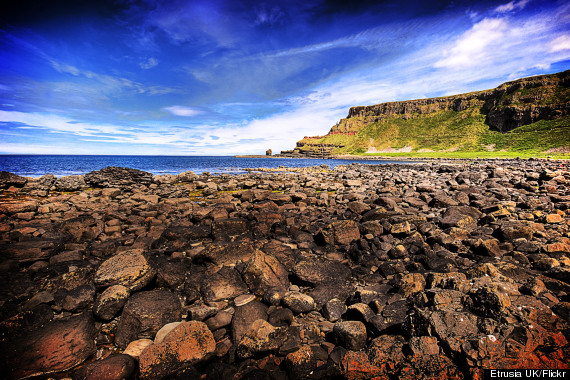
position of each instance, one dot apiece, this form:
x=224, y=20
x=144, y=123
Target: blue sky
x=238, y=77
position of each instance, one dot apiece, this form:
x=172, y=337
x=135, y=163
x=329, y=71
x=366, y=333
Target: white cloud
x=512, y=6
x=476, y=45
x=560, y=43
x=148, y=63
x=183, y=111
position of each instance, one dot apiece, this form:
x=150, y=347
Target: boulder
x=186, y=345
x=350, y=334
x=110, y=302
x=244, y=317
x=145, y=313
x=70, y=183
x=129, y=269
x=8, y=179
x=316, y=271
x=299, y=302
x=111, y=368
x=262, y=272
x=57, y=346
x=261, y=337
x=224, y=284
x=117, y=177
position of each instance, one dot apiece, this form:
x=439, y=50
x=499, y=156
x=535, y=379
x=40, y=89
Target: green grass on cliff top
x=461, y=134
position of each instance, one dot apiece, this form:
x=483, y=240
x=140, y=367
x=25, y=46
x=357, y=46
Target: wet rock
x=299, y=302
x=129, y=269
x=111, y=368
x=58, y=346
x=350, y=334
x=187, y=344
x=263, y=272
x=145, y=313
x=117, y=177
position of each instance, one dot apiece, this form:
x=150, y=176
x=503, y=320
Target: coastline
x=264, y=269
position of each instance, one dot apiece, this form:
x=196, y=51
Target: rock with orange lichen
x=187, y=344
x=357, y=366
x=301, y=363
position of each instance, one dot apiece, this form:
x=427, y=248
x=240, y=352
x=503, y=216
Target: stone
x=8, y=179
x=165, y=330
x=117, y=177
x=145, y=313
x=350, y=334
x=301, y=363
x=344, y=231
x=274, y=295
x=187, y=344
x=489, y=301
x=410, y=283
x=386, y=352
x=129, y=269
x=261, y=337
x=70, y=183
x=224, y=284
x=356, y=366
x=244, y=299
x=281, y=317
x=487, y=247
x=315, y=271
x=359, y=312
x=110, y=302
x=76, y=299
x=135, y=348
x=58, y=346
x=111, y=368
x=298, y=302
x=263, y=272
x=221, y=319
x=334, y=309
x=244, y=316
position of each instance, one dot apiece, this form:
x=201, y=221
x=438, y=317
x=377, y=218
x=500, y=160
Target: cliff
x=471, y=121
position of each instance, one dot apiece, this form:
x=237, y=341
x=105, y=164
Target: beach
x=436, y=269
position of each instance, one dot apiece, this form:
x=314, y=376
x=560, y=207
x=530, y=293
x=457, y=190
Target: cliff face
x=509, y=106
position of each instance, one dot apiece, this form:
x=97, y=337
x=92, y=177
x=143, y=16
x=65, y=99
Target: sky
x=217, y=77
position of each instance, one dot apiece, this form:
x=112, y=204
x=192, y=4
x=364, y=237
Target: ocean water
x=62, y=165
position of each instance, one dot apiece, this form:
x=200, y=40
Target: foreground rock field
x=430, y=270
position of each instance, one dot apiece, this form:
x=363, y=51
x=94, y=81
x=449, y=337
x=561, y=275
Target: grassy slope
x=461, y=134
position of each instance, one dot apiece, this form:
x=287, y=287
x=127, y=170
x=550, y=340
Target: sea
x=63, y=165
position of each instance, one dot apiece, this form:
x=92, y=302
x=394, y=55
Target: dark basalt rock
x=8, y=179
x=119, y=177
x=145, y=313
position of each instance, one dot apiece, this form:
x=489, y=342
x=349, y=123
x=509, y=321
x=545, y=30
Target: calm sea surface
x=60, y=165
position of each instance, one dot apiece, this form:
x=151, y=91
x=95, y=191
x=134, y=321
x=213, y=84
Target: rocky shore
x=429, y=270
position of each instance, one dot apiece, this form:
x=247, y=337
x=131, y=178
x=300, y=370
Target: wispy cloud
x=512, y=6
x=183, y=111
x=148, y=63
